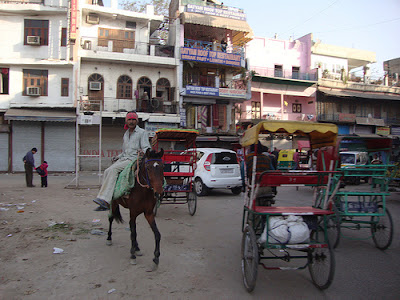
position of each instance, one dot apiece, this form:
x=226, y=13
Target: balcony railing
x=155, y=105
x=214, y=46
x=288, y=74
x=204, y=3
x=141, y=48
x=210, y=81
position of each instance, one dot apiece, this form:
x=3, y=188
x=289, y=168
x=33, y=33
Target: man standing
x=29, y=164
x=296, y=159
x=134, y=140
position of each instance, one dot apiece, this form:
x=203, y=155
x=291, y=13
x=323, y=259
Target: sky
x=372, y=25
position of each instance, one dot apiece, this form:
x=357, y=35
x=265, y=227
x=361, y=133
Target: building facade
x=37, y=72
x=212, y=73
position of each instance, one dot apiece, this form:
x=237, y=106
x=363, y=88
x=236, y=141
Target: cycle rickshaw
x=179, y=166
x=260, y=217
x=361, y=207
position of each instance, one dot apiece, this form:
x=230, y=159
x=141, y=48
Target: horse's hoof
x=109, y=243
x=133, y=261
x=152, y=268
x=139, y=253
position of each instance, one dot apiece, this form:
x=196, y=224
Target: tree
x=160, y=6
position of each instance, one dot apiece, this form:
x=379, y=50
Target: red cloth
x=131, y=115
x=43, y=166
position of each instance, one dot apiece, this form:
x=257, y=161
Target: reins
x=145, y=169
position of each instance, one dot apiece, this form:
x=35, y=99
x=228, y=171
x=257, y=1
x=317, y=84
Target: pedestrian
x=223, y=45
x=135, y=139
x=42, y=171
x=29, y=164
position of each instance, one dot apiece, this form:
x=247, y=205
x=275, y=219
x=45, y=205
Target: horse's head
x=155, y=170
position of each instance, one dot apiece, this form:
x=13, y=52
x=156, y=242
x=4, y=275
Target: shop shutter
x=25, y=136
x=4, y=152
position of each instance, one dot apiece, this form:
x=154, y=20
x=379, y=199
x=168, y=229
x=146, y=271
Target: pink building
x=283, y=82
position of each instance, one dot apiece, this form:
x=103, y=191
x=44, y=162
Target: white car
x=216, y=169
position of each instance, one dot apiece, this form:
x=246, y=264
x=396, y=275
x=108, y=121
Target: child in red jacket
x=42, y=170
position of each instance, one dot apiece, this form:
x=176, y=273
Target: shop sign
x=182, y=114
x=212, y=57
x=232, y=93
x=395, y=130
x=383, y=130
x=202, y=90
x=347, y=117
x=152, y=127
x=226, y=12
x=74, y=16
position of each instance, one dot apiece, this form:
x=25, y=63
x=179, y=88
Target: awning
x=48, y=115
x=206, y=139
x=228, y=138
x=368, y=95
x=221, y=22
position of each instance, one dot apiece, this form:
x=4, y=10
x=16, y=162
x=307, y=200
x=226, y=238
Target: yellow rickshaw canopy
x=319, y=134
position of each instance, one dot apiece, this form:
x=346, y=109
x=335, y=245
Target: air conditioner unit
x=92, y=19
x=87, y=45
x=95, y=86
x=33, y=40
x=33, y=91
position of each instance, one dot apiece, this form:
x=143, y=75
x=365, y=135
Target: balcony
x=112, y=105
x=287, y=74
x=214, y=46
x=139, y=52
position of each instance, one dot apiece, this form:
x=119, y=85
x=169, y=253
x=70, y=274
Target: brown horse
x=142, y=199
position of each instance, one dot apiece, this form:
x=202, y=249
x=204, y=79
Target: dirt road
x=200, y=255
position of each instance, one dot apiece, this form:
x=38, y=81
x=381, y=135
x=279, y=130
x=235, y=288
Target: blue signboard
x=212, y=57
x=202, y=90
x=226, y=12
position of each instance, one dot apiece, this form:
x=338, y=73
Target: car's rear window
x=224, y=158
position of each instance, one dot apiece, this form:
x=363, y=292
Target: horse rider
x=135, y=139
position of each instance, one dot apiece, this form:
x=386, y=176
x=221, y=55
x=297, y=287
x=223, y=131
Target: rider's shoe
x=103, y=204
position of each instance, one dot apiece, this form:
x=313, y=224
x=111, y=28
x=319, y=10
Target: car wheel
x=236, y=190
x=200, y=188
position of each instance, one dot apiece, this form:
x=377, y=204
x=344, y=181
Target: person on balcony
x=144, y=102
x=135, y=139
x=223, y=45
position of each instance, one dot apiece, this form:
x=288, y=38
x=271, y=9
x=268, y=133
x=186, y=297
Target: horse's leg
x=134, y=243
x=109, y=240
x=157, y=236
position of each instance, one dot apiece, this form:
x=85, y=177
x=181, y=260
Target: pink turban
x=130, y=115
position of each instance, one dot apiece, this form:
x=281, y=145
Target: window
x=295, y=72
x=163, y=89
x=35, y=78
x=144, y=85
x=124, y=87
x=121, y=39
x=38, y=28
x=64, y=87
x=63, y=37
x=296, y=108
x=130, y=25
x=278, y=71
x=4, y=80
x=255, y=110
x=339, y=107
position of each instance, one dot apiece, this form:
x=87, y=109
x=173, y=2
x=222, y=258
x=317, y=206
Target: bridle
x=147, y=185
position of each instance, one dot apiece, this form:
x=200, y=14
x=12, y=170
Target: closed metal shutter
x=59, y=146
x=26, y=135
x=3, y=152
x=111, y=145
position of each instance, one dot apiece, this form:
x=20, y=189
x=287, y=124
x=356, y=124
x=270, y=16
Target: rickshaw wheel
x=333, y=227
x=321, y=264
x=382, y=229
x=250, y=258
x=192, y=202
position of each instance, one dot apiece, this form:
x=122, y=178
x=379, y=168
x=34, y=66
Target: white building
x=36, y=100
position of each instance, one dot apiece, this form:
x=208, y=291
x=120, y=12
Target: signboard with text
x=74, y=16
x=212, y=57
x=225, y=12
x=202, y=90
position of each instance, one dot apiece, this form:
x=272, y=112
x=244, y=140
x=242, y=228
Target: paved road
x=200, y=255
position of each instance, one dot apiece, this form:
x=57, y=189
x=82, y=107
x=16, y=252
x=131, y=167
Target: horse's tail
x=117, y=215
